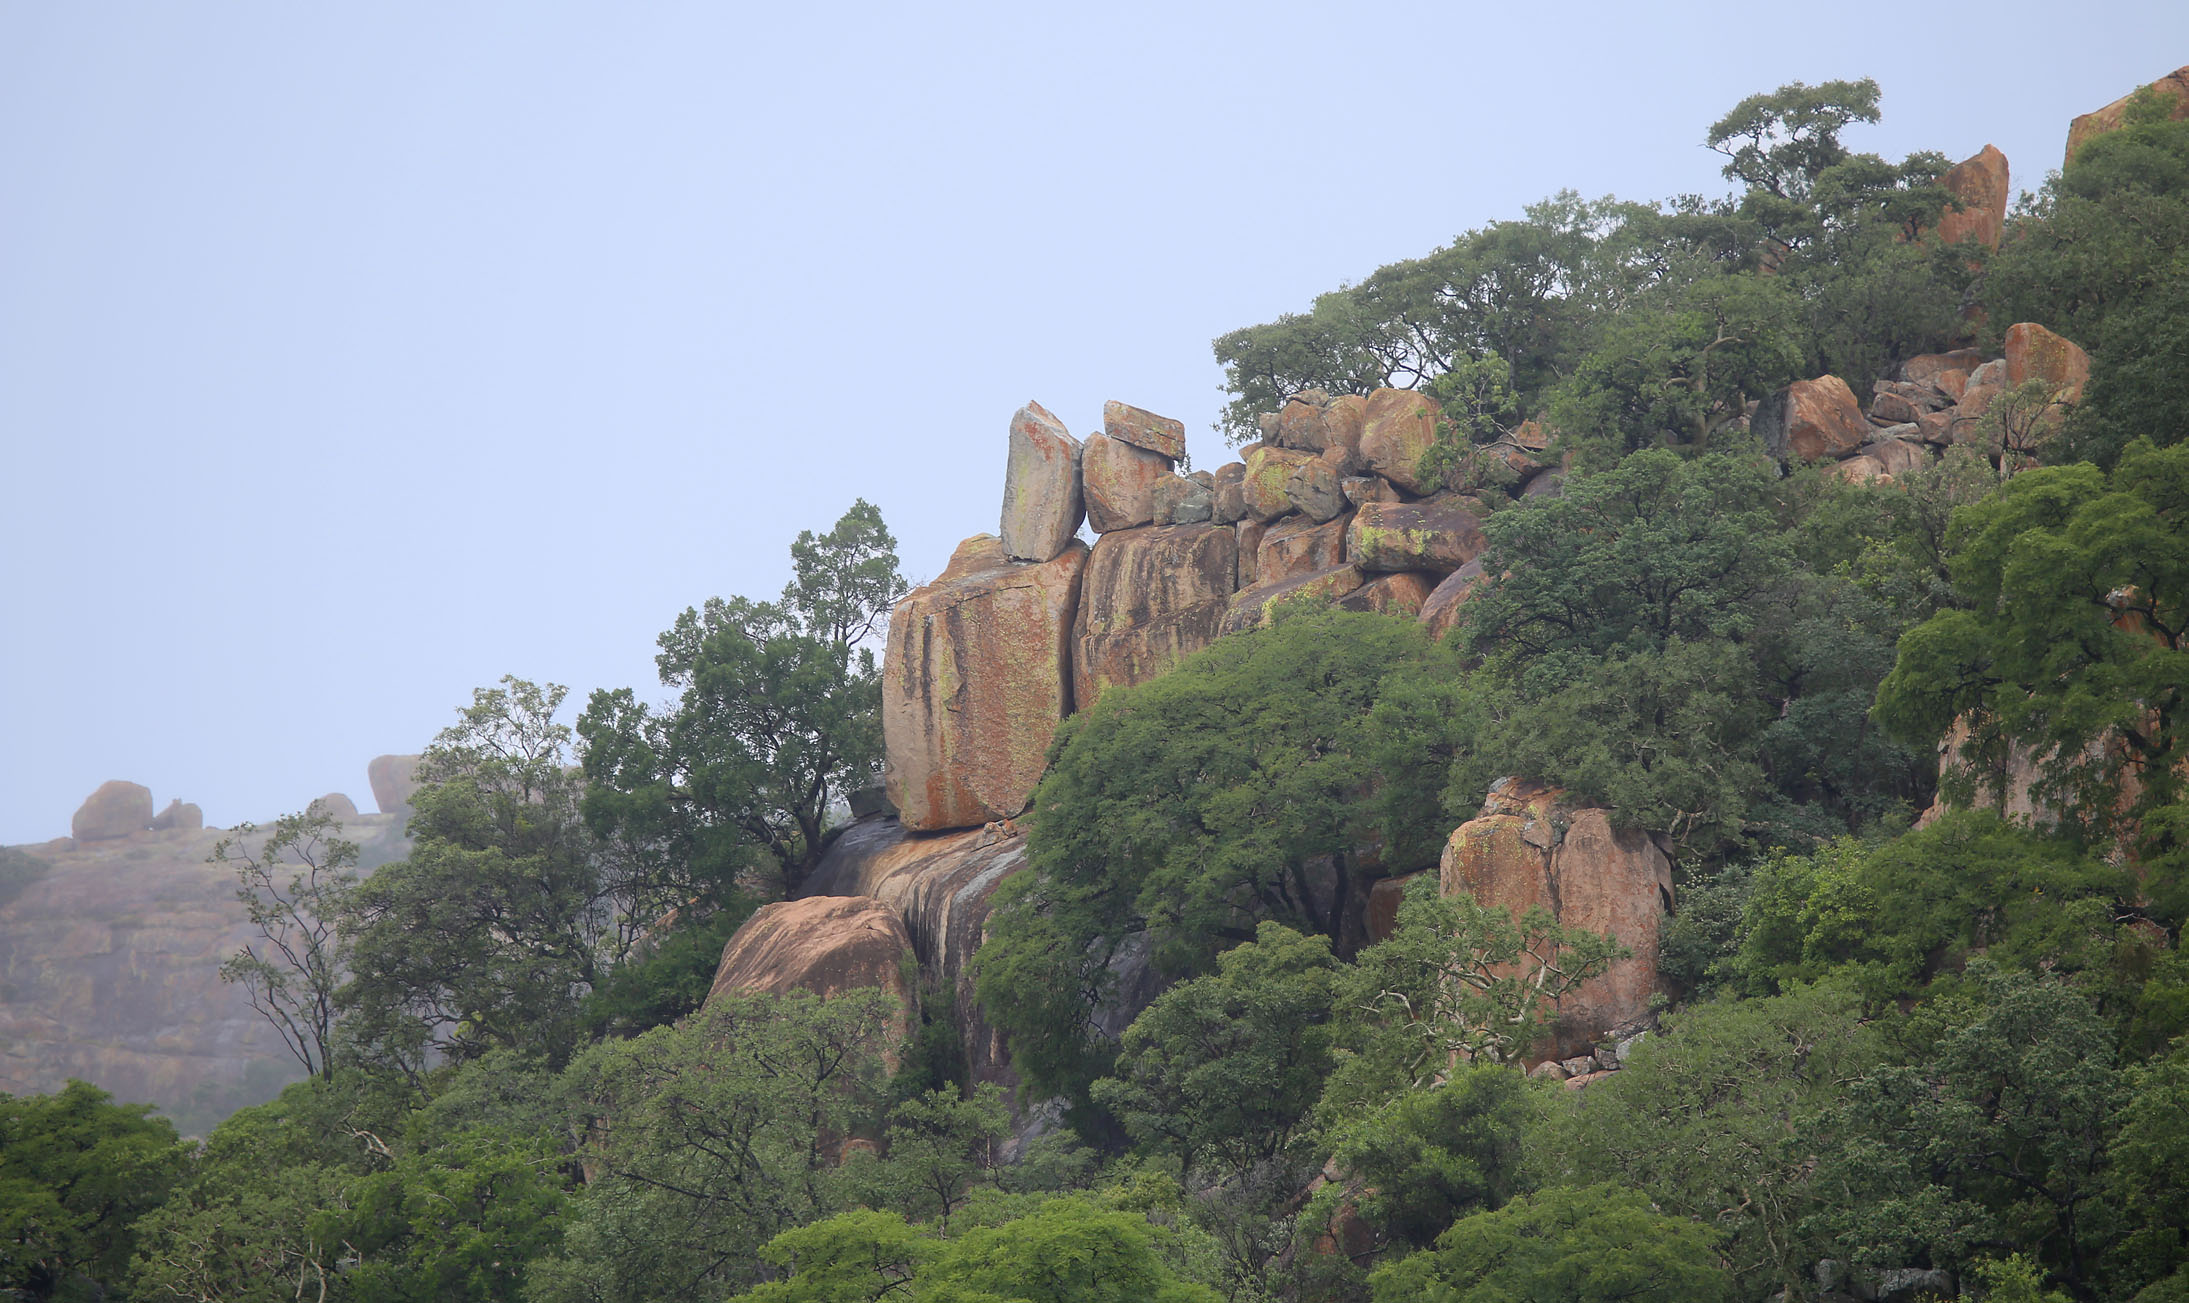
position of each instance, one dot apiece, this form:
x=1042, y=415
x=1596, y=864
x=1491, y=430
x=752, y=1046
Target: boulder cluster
x=1029, y=624
x=1938, y=400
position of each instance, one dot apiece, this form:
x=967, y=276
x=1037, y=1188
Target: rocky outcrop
x=337, y=806
x=1398, y=426
x=1434, y=534
x=1399, y=594
x=1149, y=597
x=1119, y=482
x=394, y=780
x=1268, y=470
x=939, y=887
x=1529, y=847
x=1180, y=500
x=118, y=809
x=110, y=955
x=2090, y=126
x=1980, y=183
x=977, y=675
x=1042, y=502
x=1811, y=420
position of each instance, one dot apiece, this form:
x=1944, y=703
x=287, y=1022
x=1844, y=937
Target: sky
x=353, y=356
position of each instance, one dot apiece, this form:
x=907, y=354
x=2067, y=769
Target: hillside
x=1657, y=774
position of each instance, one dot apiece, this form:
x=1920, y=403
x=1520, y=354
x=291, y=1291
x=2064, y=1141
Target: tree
x=708, y=1139
x=1589, y=1244
x=1782, y=143
x=780, y=716
x=1457, y=982
x=76, y=1172
x=1248, y=784
x=1719, y=1117
x=502, y=918
x=1431, y=1156
x=1222, y=1069
x=2075, y=641
x=940, y=1145
x=293, y=977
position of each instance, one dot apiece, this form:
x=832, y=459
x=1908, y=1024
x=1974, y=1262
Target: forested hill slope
x=1655, y=776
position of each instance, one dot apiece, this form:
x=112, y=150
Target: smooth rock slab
x=1119, y=480
x=976, y=676
x=1299, y=545
x=1434, y=534
x=1811, y=420
x=1397, y=427
x=1144, y=429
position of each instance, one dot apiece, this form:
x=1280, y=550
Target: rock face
x=2034, y=353
x=118, y=809
x=1527, y=848
x=1441, y=610
x=1298, y=545
x=1042, y=503
x=1119, y=479
x=110, y=957
x=822, y=944
x=1397, y=428
x=1149, y=598
x=977, y=676
x=1980, y=183
x=2089, y=126
x=1434, y=534
x=1811, y=420
x=940, y=888
x=1144, y=429
x=394, y=779
x=1252, y=608
x=1399, y=594
x=1268, y=472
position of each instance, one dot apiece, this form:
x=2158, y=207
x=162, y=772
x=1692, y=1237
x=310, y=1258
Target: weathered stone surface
x=1149, y=598
x=822, y=944
x=1313, y=488
x=1550, y=484
x=1890, y=408
x=1229, y=505
x=1396, y=430
x=1299, y=545
x=1362, y=489
x=975, y=678
x=1433, y=534
x=1927, y=367
x=394, y=780
x=1182, y=501
x=941, y=886
x=1383, y=905
x=110, y=955
x=1299, y=423
x=1861, y=468
x=2034, y=353
x=1042, y=502
x=2090, y=126
x=1249, y=533
x=1144, y=429
x=1980, y=183
x=1252, y=608
x=118, y=809
x=1268, y=470
x=1440, y=611
x=1527, y=848
x=1811, y=420
x=1119, y=482
x=338, y=805
x=1899, y=456
x=178, y=816
x=1397, y=594
x=1344, y=421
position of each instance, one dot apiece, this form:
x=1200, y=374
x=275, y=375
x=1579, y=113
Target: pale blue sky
x=353, y=356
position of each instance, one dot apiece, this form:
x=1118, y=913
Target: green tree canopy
x=76, y=1171
x=1566, y=1244
x=779, y=717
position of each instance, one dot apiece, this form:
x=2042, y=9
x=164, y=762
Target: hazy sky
x=353, y=356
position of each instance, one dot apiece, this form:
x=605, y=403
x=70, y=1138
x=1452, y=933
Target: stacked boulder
x=1939, y=400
